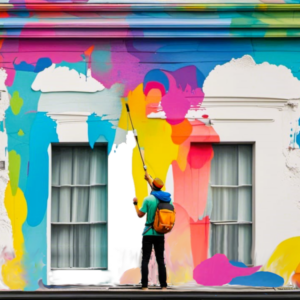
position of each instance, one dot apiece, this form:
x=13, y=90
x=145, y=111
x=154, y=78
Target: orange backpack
x=164, y=218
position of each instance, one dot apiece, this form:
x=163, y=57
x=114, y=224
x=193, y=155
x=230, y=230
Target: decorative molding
x=144, y=20
x=211, y=101
x=150, y=5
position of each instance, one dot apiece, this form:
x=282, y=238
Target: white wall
x=252, y=103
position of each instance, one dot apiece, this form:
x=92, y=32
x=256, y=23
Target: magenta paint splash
x=181, y=96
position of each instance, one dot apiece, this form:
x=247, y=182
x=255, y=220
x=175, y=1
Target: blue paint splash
x=40, y=66
x=238, y=264
x=259, y=279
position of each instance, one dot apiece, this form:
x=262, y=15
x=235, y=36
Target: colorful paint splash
x=285, y=259
x=161, y=84
x=218, y=271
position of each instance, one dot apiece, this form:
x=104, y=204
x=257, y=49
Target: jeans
x=159, y=247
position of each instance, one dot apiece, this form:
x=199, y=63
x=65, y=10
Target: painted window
x=79, y=207
x=231, y=194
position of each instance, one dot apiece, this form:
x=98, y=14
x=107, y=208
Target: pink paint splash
x=179, y=100
x=217, y=271
x=199, y=155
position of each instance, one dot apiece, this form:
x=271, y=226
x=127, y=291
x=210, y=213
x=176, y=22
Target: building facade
x=213, y=91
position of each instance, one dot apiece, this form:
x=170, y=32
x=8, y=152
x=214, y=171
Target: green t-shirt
x=149, y=207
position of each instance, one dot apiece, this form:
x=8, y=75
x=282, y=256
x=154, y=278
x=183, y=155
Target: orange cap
x=158, y=183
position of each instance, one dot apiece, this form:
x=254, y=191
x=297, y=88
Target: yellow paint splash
x=154, y=136
x=12, y=271
x=285, y=258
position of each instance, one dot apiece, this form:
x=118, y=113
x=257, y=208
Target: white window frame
x=74, y=276
x=252, y=203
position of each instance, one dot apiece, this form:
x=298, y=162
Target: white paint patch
x=157, y=115
x=63, y=79
x=125, y=240
x=170, y=182
x=71, y=126
x=106, y=104
x=6, y=239
x=242, y=77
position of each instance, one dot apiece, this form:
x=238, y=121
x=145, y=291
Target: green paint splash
x=14, y=170
x=21, y=132
x=16, y=103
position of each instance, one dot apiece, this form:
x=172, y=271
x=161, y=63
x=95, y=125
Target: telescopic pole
x=137, y=141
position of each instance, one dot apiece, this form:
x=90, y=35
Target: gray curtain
x=79, y=207
x=231, y=192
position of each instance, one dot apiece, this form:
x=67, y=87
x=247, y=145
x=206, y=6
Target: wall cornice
x=161, y=20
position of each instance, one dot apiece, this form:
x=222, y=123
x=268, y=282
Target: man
x=150, y=236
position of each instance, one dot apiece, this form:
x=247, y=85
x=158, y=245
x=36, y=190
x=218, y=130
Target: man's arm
x=138, y=212
x=149, y=179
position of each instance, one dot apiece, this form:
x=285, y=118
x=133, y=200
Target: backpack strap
x=150, y=227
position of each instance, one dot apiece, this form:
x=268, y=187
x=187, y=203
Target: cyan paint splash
x=43, y=132
x=297, y=137
x=1, y=126
x=35, y=258
x=97, y=128
x=23, y=120
x=80, y=66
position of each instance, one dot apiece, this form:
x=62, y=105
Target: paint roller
x=137, y=141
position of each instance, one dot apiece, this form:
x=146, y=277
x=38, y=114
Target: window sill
x=79, y=277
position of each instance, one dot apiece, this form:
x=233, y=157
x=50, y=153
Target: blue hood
x=162, y=196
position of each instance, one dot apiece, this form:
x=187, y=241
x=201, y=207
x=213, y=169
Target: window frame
x=78, y=271
x=237, y=143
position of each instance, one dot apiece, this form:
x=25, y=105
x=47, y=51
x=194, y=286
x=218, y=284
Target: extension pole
x=136, y=137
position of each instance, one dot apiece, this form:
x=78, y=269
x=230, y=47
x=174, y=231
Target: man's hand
x=138, y=212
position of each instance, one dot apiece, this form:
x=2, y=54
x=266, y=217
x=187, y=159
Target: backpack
x=164, y=218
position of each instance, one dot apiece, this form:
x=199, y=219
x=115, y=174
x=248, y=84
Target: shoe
x=144, y=289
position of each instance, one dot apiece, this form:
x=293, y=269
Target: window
x=231, y=192
x=79, y=207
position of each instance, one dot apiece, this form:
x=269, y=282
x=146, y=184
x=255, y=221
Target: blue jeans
x=159, y=246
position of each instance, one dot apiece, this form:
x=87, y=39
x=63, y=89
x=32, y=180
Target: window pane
x=98, y=204
x=80, y=204
x=225, y=204
x=245, y=164
x=245, y=204
x=224, y=166
x=232, y=240
x=65, y=171
x=61, y=204
x=61, y=246
x=98, y=162
x=81, y=165
x=81, y=246
x=98, y=238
